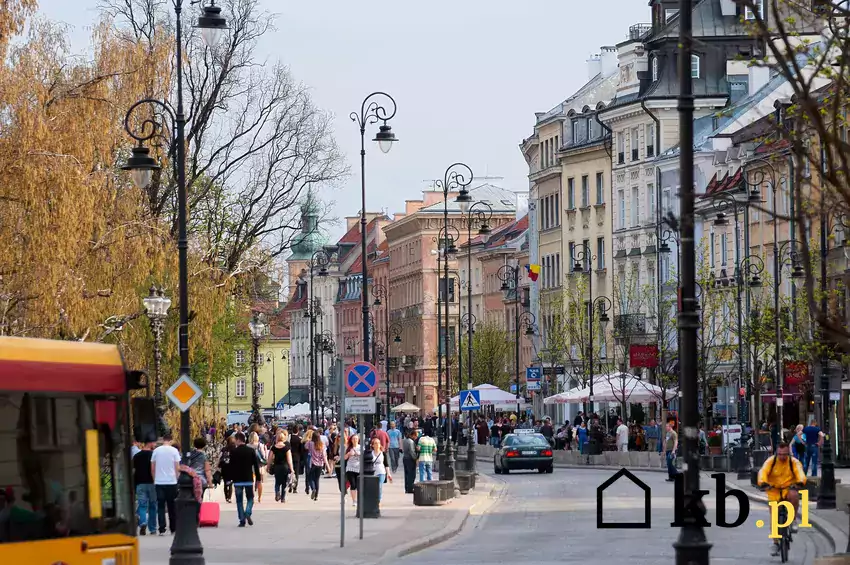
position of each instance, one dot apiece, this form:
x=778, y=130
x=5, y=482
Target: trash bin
x=368, y=497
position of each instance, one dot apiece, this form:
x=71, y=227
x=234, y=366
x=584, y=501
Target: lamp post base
x=186, y=549
x=826, y=488
x=447, y=468
x=471, y=456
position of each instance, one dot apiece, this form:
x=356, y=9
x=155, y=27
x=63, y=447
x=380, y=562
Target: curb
x=454, y=527
x=601, y=467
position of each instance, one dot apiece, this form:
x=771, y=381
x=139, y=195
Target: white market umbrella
x=490, y=396
x=623, y=387
x=405, y=407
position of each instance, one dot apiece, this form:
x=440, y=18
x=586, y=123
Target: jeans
x=671, y=464
x=409, y=473
x=394, y=458
x=313, y=476
x=424, y=470
x=494, y=441
x=244, y=490
x=811, y=457
x=281, y=479
x=166, y=497
x=146, y=504
x=307, y=468
x=381, y=478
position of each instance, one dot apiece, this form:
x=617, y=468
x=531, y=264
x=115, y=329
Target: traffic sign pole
x=343, y=445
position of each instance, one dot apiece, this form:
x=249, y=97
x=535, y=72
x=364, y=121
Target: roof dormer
x=662, y=12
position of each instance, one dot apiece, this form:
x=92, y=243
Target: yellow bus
x=66, y=493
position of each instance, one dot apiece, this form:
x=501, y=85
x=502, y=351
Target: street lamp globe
x=156, y=303
x=141, y=166
x=464, y=200
x=257, y=327
x=385, y=138
x=212, y=25
x=484, y=232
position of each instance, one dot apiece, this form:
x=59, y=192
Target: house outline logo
x=647, y=504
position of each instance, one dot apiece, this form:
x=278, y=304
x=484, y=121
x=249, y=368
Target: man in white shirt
x=384, y=425
x=622, y=436
x=165, y=468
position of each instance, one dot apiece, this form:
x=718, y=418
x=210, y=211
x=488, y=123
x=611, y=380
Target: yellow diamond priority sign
x=184, y=393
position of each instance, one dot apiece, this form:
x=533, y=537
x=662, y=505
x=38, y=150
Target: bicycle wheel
x=784, y=546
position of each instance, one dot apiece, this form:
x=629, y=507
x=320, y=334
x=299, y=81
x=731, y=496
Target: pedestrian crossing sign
x=470, y=400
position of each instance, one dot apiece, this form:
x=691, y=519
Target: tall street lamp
x=467, y=322
x=186, y=546
x=258, y=328
x=326, y=346
x=156, y=307
x=377, y=107
x=509, y=275
x=447, y=249
x=381, y=294
x=583, y=260
x=692, y=547
x=319, y=260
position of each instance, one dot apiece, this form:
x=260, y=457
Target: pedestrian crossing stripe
x=469, y=400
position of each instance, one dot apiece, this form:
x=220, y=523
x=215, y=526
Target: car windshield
x=526, y=441
x=44, y=472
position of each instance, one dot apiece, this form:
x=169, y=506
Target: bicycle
x=785, y=531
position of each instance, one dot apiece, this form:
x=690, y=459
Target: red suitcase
x=209, y=515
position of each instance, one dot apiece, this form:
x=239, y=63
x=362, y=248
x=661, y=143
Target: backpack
x=773, y=464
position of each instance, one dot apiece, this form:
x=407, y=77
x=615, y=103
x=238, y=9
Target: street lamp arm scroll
x=150, y=127
x=373, y=110
x=457, y=177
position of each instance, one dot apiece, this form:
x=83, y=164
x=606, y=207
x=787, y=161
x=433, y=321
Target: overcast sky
x=468, y=76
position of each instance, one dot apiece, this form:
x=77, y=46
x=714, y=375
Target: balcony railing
x=639, y=31
x=629, y=325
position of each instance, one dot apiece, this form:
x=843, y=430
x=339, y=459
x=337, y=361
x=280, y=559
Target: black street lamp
x=377, y=107
x=156, y=307
x=446, y=249
x=381, y=295
x=692, y=547
x=467, y=322
x=583, y=263
x=326, y=346
x=509, y=275
x=319, y=260
x=186, y=546
x=457, y=177
x=258, y=328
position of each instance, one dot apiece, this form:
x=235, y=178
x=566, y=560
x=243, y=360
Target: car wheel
x=496, y=469
x=541, y=470
x=506, y=471
x=550, y=469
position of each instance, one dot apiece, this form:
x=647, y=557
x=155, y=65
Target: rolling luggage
x=210, y=514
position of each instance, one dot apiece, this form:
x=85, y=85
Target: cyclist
x=781, y=475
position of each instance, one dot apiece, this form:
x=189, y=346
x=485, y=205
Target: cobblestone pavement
x=308, y=533
x=551, y=519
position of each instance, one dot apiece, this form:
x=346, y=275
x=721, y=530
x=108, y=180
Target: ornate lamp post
x=381, y=294
x=186, y=547
x=509, y=275
x=377, y=107
x=319, y=260
x=445, y=239
x=156, y=307
x=467, y=322
x=258, y=328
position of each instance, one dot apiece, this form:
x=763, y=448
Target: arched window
x=694, y=66
x=654, y=69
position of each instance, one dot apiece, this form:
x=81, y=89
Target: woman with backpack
x=280, y=465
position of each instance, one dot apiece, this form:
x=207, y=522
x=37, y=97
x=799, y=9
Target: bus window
x=43, y=487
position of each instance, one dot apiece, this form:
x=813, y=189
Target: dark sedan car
x=527, y=451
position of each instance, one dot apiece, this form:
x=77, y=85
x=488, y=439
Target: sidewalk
x=308, y=532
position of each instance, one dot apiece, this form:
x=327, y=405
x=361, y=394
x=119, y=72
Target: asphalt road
x=551, y=519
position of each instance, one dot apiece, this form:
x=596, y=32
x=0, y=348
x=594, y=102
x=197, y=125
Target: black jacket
x=244, y=465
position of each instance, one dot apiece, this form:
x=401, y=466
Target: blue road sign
x=533, y=373
x=361, y=379
x=470, y=400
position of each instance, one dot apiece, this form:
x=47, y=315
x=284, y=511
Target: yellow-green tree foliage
x=79, y=246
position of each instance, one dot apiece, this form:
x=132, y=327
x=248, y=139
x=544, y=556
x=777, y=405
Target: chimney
x=759, y=76
x=609, y=61
x=594, y=66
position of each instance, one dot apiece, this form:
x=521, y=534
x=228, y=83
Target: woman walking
x=318, y=459
x=305, y=455
x=352, y=465
x=380, y=466
x=262, y=458
x=224, y=468
x=280, y=465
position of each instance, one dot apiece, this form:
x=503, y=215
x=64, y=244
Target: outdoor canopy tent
x=300, y=411
x=492, y=396
x=616, y=387
x=406, y=407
